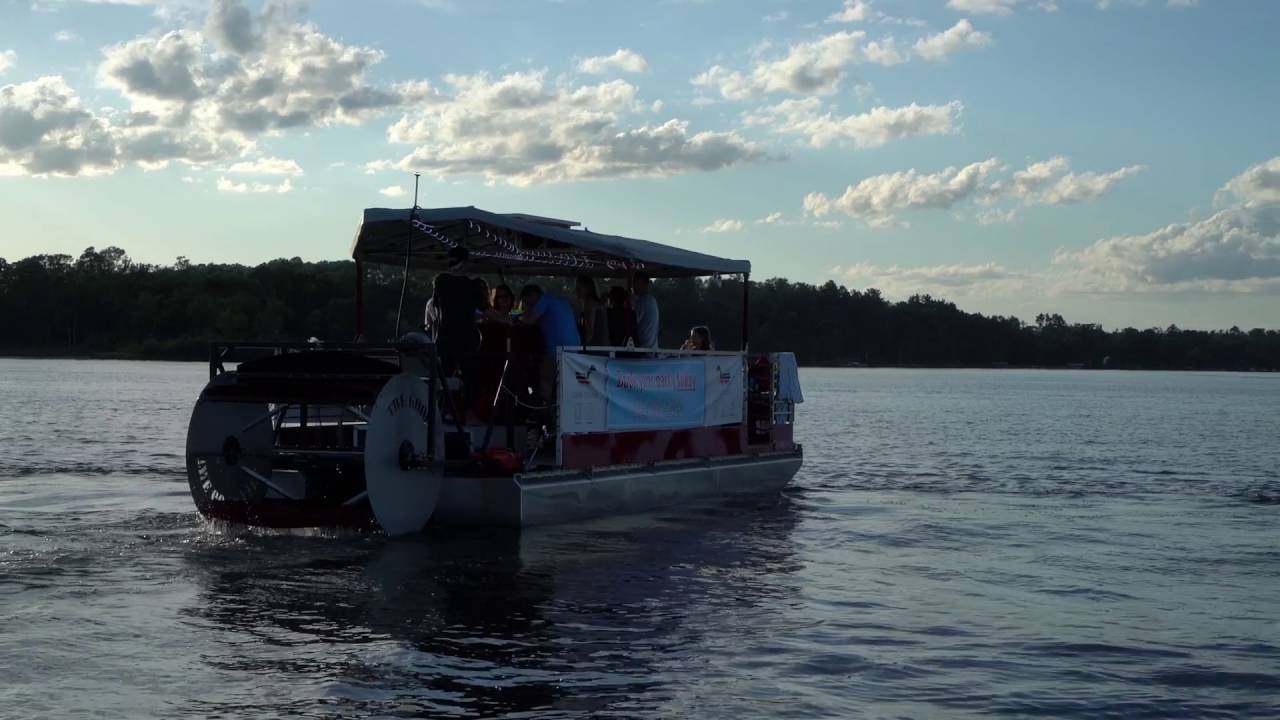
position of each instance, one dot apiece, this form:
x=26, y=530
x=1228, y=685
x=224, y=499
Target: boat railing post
x=431, y=404
x=746, y=310
x=559, y=395
x=359, y=299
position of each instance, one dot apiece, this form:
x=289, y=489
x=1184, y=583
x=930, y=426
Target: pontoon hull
x=549, y=498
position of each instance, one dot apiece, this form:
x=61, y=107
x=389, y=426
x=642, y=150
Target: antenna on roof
x=408, y=253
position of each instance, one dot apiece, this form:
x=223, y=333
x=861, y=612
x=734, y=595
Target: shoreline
x=139, y=357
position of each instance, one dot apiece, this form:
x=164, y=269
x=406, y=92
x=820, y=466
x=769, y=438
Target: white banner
x=601, y=394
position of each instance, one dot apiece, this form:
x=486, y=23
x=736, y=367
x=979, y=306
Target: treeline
x=103, y=303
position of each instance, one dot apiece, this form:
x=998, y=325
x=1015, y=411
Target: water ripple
x=1076, y=545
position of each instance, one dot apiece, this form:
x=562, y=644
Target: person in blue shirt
x=555, y=318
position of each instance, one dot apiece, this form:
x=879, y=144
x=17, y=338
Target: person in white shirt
x=646, y=308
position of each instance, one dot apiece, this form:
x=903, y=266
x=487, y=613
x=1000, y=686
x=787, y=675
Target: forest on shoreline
x=104, y=304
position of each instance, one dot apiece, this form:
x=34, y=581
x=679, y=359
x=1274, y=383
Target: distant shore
x=10, y=354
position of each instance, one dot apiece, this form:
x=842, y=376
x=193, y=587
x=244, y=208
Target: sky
x=1115, y=161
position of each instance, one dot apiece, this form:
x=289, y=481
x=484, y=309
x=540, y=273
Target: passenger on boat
x=554, y=317
x=622, y=319
x=646, y=306
x=501, y=302
x=454, y=304
x=593, y=320
x=699, y=339
x=504, y=355
x=431, y=317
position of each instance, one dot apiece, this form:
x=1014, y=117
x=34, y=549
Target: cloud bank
x=522, y=128
x=880, y=199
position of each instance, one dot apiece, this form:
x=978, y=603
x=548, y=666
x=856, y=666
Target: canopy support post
x=359, y=300
x=746, y=309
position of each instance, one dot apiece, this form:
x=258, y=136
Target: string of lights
x=513, y=253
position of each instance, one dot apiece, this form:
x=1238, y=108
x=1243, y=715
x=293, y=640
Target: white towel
x=789, y=378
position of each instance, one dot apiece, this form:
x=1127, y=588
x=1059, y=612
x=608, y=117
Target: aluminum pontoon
x=367, y=434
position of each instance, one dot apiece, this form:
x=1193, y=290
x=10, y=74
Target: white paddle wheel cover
x=213, y=424
x=402, y=499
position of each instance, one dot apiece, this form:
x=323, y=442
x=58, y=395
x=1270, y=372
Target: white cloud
x=1183, y=3
x=809, y=68
x=45, y=130
x=197, y=96
x=873, y=128
x=878, y=199
x=228, y=186
x=522, y=130
x=1237, y=249
x=1039, y=174
x=861, y=11
x=723, y=225
x=1002, y=7
x=898, y=281
x=1259, y=185
x=393, y=191
x=958, y=37
x=266, y=166
x=988, y=7
x=853, y=11
x=65, y=36
x=244, y=76
x=777, y=16
x=1234, y=250
x=623, y=60
x=8, y=59
x=730, y=84
x=1052, y=183
x=773, y=218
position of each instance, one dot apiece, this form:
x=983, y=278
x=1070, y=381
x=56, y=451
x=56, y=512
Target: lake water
x=959, y=543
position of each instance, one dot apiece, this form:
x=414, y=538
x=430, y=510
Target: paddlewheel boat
x=376, y=435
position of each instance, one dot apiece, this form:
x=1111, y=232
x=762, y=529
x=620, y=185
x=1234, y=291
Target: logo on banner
x=726, y=377
x=584, y=378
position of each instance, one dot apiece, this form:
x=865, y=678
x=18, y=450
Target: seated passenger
x=699, y=339
x=501, y=302
x=622, y=319
x=594, y=318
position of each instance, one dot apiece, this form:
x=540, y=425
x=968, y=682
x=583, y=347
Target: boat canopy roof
x=521, y=244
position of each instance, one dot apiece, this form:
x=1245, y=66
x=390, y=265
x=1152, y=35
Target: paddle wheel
x=301, y=436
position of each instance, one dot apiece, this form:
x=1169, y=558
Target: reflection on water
x=483, y=623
